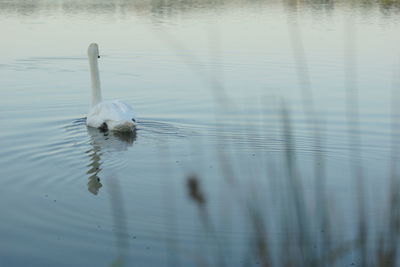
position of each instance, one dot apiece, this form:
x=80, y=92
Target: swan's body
x=112, y=115
x=116, y=114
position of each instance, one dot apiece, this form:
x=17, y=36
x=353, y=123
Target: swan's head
x=93, y=51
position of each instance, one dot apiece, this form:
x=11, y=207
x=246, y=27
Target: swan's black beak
x=98, y=56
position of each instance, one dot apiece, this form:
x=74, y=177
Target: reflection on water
x=161, y=9
x=111, y=141
x=104, y=142
x=94, y=180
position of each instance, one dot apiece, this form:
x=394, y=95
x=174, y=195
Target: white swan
x=113, y=115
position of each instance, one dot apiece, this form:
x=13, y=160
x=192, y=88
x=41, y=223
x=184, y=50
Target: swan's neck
x=95, y=77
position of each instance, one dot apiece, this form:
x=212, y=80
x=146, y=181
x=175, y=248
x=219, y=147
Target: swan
x=113, y=115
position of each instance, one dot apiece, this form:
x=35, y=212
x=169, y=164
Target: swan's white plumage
x=118, y=115
x=115, y=114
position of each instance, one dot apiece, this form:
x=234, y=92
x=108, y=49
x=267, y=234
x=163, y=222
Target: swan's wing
x=128, y=110
x=114, y=111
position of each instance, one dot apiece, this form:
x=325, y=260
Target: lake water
x=246, y=111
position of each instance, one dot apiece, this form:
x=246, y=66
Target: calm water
x=207, y=80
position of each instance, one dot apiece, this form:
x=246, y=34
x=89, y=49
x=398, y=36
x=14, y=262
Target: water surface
x=209, y=81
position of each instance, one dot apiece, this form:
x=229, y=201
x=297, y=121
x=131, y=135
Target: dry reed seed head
x=194, y=189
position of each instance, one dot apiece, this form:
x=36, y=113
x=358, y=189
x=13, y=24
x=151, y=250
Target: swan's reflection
x=104, y=142
x=94, y=168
